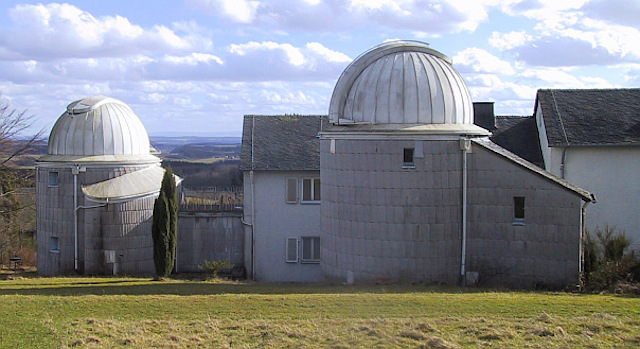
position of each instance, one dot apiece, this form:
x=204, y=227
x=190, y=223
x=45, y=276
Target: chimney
x=483, y=115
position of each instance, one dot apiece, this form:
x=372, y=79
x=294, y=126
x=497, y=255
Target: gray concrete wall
x=274, y=222
x=209, y=236
x=123, y=227
x=545, y=250
x=383, y=222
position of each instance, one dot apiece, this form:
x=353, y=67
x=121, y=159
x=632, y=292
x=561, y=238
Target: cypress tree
x=164, y=227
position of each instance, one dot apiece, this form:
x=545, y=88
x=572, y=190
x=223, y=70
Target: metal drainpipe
x=75, y=171
x=253, y=225
x=465, y=144
x=583, y=230
x=563, y=171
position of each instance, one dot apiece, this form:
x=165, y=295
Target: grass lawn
x=139, y=313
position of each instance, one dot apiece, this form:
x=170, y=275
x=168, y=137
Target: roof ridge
x=555, y=106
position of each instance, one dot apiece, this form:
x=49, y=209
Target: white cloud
x=327, y=54
x=477, y=60
x=62, y=30
x=194, y=59
x=427, y=17
x=509, y=40
x=294, y=56
x=241, y=11
x=571, y=33
x=560, y=78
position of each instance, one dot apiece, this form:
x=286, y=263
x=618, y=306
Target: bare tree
x=13, y=143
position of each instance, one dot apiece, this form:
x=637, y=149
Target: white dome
x=401, y=82
x=98, y=126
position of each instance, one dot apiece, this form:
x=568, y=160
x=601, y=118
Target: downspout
x=583, y=231
x=253, y=202
x=253, y=224
x=75, y=171
x=465, y=145
x=563, y=172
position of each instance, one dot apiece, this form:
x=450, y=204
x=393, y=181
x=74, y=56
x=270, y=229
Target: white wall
x=274, y=222
x=613, y=175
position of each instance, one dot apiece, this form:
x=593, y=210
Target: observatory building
x=405, y=187
x=95, y=192
x=413, y=190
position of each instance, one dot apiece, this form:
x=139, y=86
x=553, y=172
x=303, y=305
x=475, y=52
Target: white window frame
x=312, y=182
x=291, y=247
x=291, y=187
x=412, y=163
x=52, y=179
x=315, y=243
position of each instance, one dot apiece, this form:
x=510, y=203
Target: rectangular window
x=518, y=210
x=292, y=190
x=53, y=179
x=53, y=245
x=292, y=250
x=311, y=190
x=311, y=249
x=408, y=161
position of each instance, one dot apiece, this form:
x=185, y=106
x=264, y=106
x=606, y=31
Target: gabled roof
x=519, y=135
x=281, y=142
x=489, y=145
x=591, y=117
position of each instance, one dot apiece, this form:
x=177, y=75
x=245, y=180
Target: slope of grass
x=139, y=313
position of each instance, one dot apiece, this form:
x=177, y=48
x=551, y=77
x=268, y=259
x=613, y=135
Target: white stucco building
x=591, y=137
x=281, y=166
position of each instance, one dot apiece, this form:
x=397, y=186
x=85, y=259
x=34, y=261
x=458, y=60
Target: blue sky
x=197, y=66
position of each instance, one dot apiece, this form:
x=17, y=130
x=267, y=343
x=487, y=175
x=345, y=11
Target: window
x=292, y=250
x=311, y=190
x=311, y=249
x=292, y=190
x=518, y=210
x=53, y=245
x=407, y=161
x=53, y=179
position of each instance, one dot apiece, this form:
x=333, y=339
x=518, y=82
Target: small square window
x=311, y=249
x=53, y=244
x=53, y=179
x=518, y=210
x=407, y=161
x=292, y=250
x=311, y=190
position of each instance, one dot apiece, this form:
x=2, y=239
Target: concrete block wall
x=209, y=236
x=126, y=229
x=383, y=222
x=542, y=251
x=55, y=218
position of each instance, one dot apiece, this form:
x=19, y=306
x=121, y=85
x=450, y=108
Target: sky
x=196, y=67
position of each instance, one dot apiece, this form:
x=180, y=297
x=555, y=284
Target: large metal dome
x=98, y=126
x=401, y=82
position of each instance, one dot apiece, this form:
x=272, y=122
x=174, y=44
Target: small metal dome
x=98, y=126
x=401, y=82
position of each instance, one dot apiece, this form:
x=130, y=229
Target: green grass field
x=139, y=313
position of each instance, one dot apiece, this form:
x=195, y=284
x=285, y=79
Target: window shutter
x=292, y=250
x=292, y=190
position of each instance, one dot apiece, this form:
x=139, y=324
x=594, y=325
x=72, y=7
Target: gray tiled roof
x=591, y=117
x=519, y=135
x=281, y=142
